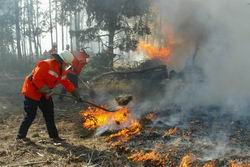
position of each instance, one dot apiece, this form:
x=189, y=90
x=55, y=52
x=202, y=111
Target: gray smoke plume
x=211, y=49
x=216, y=33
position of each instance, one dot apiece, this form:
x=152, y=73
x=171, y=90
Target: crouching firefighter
x=38, y=91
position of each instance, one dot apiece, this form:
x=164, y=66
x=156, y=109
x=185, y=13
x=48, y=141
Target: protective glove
x=46, y=91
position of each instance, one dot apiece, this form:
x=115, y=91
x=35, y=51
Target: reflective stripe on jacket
x=47, y=72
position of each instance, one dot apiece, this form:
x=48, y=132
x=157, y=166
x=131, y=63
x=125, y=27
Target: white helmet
x=67, y=56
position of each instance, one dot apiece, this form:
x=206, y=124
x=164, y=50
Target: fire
x=187, y=160
x=210, y=164
x=170, y=132
x=122, y=119
x=94, y=118
x=150, y=116
x=160, y=47
x=239, y=164
x=125, y=134
x=152, y=157
x=154, y=52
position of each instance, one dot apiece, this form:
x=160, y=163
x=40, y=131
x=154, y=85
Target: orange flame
x=125, y=134
x=235, y=163
x=170, y=132
x=94, y=118
x=152, y=157
x=210, y=164
x=187, y=160
x=154, y=52
x=122, y=120
x=150, y=116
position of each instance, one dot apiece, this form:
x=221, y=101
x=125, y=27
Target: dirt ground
x=77, y=150
x=201, y=139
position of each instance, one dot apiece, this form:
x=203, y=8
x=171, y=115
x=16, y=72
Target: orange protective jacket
x=47, y=72
x=78, y=63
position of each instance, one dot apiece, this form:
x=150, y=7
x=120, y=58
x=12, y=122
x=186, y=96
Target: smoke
x=212, y=35
x=211, y=49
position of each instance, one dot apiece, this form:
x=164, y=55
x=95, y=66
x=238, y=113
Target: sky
x=45, y=40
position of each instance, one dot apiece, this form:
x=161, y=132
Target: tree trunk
x=30, y=31
x=111, y=45
x=66, y=34
x=76, y=30
x=56, y=22
x=63, y=48
x=70, y=30
x=37, y=25
x=62, y=37
x=24, y=46
x=33, y=27
x=18, y=33
x=50, y=20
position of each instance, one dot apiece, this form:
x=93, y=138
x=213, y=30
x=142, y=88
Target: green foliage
x=120, y=21
x=71, y=5
x=124, y=20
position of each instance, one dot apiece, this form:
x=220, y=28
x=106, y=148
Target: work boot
x=23, y=139
x=57, y=140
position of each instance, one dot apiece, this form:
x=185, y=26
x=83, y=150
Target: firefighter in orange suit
x=38, y=89
x=80, y=60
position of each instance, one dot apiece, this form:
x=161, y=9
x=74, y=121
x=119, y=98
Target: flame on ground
x=170, y=132
x=122, y=120
x=235, y=163
x=151, y=157
x=187, y=160
x=125, y=134
x=94, y=118
x=210, y=164
x=150, y=116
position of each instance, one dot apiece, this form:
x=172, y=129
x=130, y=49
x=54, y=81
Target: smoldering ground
x=211, y=50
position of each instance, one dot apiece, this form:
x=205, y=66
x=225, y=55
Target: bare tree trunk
x=62, y=36
x=70, y=30
x=50, y=20
x=18, y=33
x=30, y=31
x=24, y=48
x=66, y=33
x=111, y=44
x=56, y=21
x=13, y=48
x=33, y=27
x=37, y=25
x=76, y=30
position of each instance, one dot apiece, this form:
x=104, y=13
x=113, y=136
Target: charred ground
x=169, y=136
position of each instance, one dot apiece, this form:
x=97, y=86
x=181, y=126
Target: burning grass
x=235, y=163
x=151, y=158
x=125, y=134
x=149, y=141
x=187, y=160
x=210, y=164
x=94, y=118
x=170, y=132
x=121, y=120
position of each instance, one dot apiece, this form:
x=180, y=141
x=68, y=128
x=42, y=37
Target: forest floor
x=200, y=139
x=75, y=151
